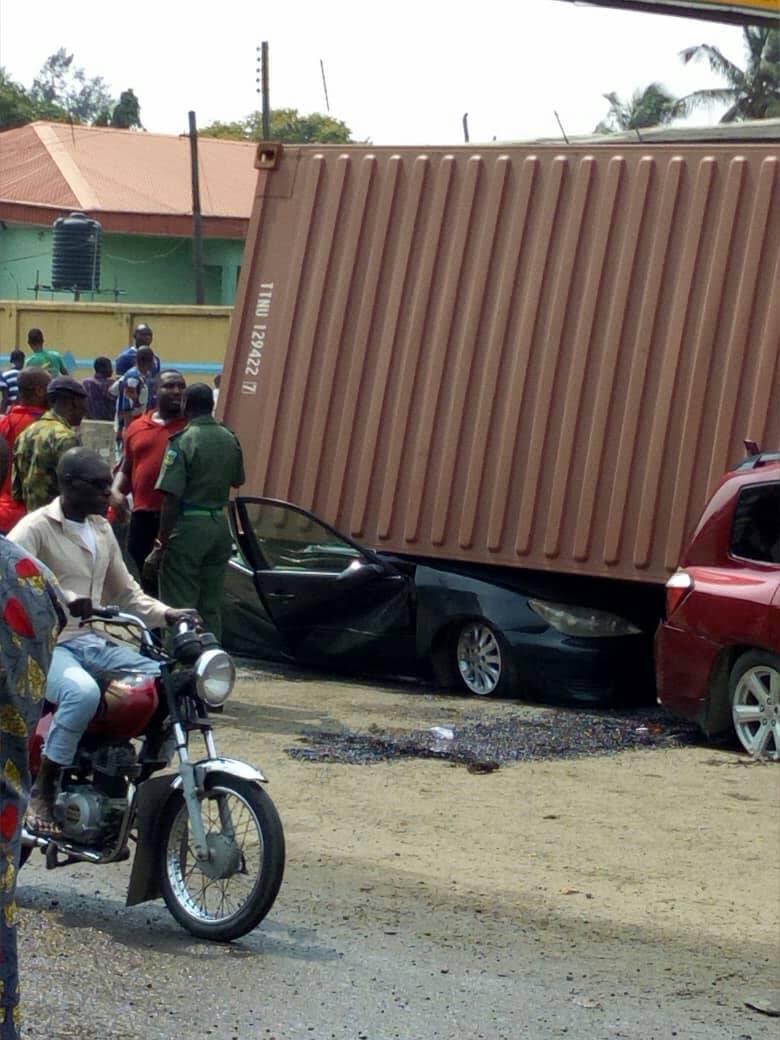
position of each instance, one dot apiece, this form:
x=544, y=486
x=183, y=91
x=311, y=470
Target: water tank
x=75, y=261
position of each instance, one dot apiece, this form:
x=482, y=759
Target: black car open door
x=315, y=584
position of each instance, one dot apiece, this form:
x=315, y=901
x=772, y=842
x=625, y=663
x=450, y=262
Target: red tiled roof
x=128, y=180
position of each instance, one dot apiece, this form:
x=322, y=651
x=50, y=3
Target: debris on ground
x=484, y=746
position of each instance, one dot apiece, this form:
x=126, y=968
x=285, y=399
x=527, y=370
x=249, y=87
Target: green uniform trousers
x=192, y=573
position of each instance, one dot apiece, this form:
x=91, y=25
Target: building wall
x=145, y=268
x=192, y=339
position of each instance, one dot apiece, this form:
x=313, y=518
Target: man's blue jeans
x=72, y=684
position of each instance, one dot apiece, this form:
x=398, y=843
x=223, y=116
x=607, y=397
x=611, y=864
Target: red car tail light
x=677, y=589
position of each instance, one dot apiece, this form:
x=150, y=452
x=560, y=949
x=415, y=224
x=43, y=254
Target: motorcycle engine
x=84, y=813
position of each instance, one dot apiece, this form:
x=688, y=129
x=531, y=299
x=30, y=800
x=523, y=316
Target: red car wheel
x=754, y=691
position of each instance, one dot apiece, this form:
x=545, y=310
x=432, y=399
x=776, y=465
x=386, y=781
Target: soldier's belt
x=200, y=511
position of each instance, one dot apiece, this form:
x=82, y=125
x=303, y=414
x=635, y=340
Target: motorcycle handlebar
x=115, y=616
x=108, y=614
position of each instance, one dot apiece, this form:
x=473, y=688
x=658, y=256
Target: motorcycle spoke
x=211, y=899
x=244, y=834
x=222, y=896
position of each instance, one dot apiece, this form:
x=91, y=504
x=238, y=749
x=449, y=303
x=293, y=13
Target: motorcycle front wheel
x=229, y=896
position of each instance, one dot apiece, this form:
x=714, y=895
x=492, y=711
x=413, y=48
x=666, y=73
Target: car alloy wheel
x=755, y=703
x=480, y=658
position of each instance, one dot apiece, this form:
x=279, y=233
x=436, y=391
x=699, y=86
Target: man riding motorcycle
x=73, y=538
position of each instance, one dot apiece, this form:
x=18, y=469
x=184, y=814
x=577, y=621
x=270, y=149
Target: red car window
x=755, y=533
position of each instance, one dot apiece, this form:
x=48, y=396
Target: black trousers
x=144, y=526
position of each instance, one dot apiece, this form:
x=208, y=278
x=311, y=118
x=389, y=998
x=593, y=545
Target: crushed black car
x=298, y=589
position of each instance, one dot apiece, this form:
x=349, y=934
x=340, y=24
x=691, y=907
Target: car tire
x=482, y=660
x=754, y=696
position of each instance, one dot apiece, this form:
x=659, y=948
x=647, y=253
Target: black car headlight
x=586, y=622
x=215, y=676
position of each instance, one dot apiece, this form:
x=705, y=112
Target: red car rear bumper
x=685, y=663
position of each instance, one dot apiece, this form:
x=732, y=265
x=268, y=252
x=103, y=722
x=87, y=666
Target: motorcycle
x=207, y=836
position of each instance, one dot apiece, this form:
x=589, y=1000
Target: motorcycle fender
x=227, y=766
x=151, y=799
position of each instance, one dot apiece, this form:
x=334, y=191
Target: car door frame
x=279, y=588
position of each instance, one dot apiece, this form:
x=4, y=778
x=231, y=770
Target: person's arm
x=132, y=388
x=123, y=478
x=172, y=481
x=121, y=588
x=169, y=514
x=119, y=491
x=239, y=477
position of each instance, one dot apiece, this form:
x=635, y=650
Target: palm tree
x=652, y=106
x=753, y=92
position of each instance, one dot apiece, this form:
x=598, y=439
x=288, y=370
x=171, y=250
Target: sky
x=400, y=73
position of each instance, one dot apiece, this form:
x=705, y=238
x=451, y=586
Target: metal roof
x=759, y=130
x=130, y=181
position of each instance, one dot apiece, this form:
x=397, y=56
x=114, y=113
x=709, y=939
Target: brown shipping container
x=538, y=356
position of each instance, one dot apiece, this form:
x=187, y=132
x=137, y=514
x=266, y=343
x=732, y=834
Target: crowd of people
x=165, y=479
x=59, y=557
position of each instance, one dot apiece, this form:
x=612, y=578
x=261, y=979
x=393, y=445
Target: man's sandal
x=42, y=825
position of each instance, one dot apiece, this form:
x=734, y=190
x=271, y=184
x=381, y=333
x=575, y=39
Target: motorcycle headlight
x=585, y=622
x=215, y=675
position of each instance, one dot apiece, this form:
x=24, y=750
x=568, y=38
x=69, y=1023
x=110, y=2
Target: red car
x=718, y=651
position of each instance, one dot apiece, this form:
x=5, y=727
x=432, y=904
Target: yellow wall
x=190, y=338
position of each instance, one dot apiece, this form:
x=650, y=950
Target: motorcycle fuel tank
x=126, y=708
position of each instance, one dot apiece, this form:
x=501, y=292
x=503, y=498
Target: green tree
x=236, y=131
x=652, y=106
x=17, y=107
x=286, y=124
x=127, y=112
x=66, y=85
x=752, y=92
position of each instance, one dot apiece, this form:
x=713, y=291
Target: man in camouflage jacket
x=39, y=448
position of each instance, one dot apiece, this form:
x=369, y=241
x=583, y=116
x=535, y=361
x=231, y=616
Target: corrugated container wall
x=540, y=357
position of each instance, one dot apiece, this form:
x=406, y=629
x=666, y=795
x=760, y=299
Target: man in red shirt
x=31, y=404
x=145, y=441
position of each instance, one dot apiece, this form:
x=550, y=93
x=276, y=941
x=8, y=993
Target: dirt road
x=630, y=895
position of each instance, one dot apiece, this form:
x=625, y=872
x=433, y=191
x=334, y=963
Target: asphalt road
x=369, y=943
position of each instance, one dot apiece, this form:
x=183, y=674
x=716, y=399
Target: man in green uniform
x=200, y=466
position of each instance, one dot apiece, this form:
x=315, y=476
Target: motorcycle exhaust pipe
x=35, y=841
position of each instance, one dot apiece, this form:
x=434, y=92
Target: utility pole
x=265, y=91
x=197, y=220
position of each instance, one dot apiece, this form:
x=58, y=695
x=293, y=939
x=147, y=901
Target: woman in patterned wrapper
x=31, y=621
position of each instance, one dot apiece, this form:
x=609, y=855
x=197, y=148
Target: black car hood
x=638, y=602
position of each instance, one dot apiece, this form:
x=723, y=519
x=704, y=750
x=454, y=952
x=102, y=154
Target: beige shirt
x=103, y=577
